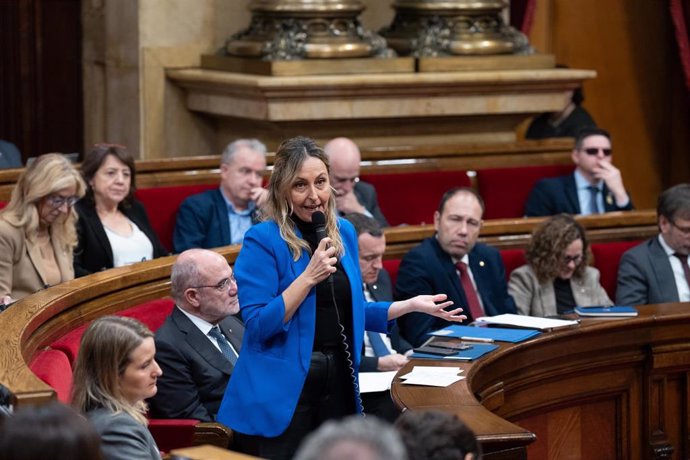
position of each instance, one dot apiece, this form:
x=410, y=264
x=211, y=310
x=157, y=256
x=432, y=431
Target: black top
x=564, y=295
x=333, y=308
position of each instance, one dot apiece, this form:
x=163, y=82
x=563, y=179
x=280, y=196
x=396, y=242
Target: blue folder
x=477, y=351
x=502, y=334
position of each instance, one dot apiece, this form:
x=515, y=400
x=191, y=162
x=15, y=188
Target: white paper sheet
x=531, y=322
x=370, y=382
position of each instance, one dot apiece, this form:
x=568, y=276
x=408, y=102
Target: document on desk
x=370, y=382
x=432, y=376
x=530, y=322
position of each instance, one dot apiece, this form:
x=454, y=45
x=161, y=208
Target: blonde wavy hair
x=46, y=175
x=288, y=160
x=104, y=355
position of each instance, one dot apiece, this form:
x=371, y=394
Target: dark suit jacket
x=366, y=195
x=93, y=252
x=202, y=222
x=559, y=194
x=195, y=372
x=645, y=276
x=428, y=269
x=382, y=291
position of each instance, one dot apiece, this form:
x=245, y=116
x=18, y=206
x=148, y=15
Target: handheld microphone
x=319, y=220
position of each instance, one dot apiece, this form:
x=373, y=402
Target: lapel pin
x=609, y=199
x=481, y=263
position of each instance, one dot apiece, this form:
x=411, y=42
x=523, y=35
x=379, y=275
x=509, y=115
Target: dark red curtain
x=522, y=14
x=680, y=14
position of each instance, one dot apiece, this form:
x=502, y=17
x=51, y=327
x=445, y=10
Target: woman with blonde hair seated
x=557, y=277
x=115, y=372
x=37, y=228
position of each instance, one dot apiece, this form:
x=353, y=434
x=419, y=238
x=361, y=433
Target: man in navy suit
x=352, y=195
x=221, y=216
x=657, y=270
x=451, y=262
x=377, y=288
x=595, y=187
x=197, y=345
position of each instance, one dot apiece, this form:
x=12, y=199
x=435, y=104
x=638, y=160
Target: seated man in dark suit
x=197, y=345
x=451, y=262
x=657, y=270
x=595, y=187
x=381, y=352
x=352, y=195
x=221, y=216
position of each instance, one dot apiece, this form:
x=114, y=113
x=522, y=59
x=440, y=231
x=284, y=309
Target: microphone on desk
x=319, y=220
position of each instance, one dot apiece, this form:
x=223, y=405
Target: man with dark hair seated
x=435, y=435
x=198, y=344
x=595, y=187
x=657, y=270
x=452, y=262
x=381, y=352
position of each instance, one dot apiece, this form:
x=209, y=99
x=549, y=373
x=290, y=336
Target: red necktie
x=684, y=262
x=470, y=293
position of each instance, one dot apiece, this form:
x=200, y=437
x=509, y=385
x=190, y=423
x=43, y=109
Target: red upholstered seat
x=412, y=198
x=505, y=190
x=69, y=343
x=607, y=256
x=392, y=266
x=172, y=433
x=53, y=367
x=151, y=313
x=161, y=205
x=512, y=259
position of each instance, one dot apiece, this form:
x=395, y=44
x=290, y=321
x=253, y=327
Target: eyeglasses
x=684, y=230
x=57, y=201
x=340, y=180
x=221, y=286
x=595, y=150
x=566, y=259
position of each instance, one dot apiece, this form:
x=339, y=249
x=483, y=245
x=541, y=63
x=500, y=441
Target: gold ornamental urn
x=430, y=28
x=306, y=29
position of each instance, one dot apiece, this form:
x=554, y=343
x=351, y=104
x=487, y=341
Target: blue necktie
x=594, y=203
x=224, y=345
x=377, y=344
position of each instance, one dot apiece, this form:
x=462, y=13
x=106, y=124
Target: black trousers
x=328, y=393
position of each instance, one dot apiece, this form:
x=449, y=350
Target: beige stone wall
x=128, y=44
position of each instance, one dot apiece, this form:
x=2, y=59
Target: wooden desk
x=606, y=389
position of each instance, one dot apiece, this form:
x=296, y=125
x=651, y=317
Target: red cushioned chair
x=505, y=190
x=607, y=256
x=392, y=266
x=161, y=205
x=412, y=198
x=54, y=368
x=512, y=259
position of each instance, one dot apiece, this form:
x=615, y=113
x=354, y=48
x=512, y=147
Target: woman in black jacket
x=113, y=227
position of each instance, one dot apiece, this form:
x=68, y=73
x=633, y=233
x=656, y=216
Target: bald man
x=352, y=195
x=197, y=345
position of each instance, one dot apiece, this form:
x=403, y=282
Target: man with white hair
x=221, y=216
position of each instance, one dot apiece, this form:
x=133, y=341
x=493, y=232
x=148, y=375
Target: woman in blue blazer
x=304, y=310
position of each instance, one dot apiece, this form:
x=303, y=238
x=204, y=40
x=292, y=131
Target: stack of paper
x=531, y=322
x=370, y=382
x=432, y=376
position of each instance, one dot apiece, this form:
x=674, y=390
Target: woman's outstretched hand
x=430, y=304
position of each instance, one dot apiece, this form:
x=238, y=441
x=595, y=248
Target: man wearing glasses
x=352, y=194
x=595, y=187
x=197, y=346
x=657, y=271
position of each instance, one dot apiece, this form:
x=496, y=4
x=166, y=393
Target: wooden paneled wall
x=638, y=94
